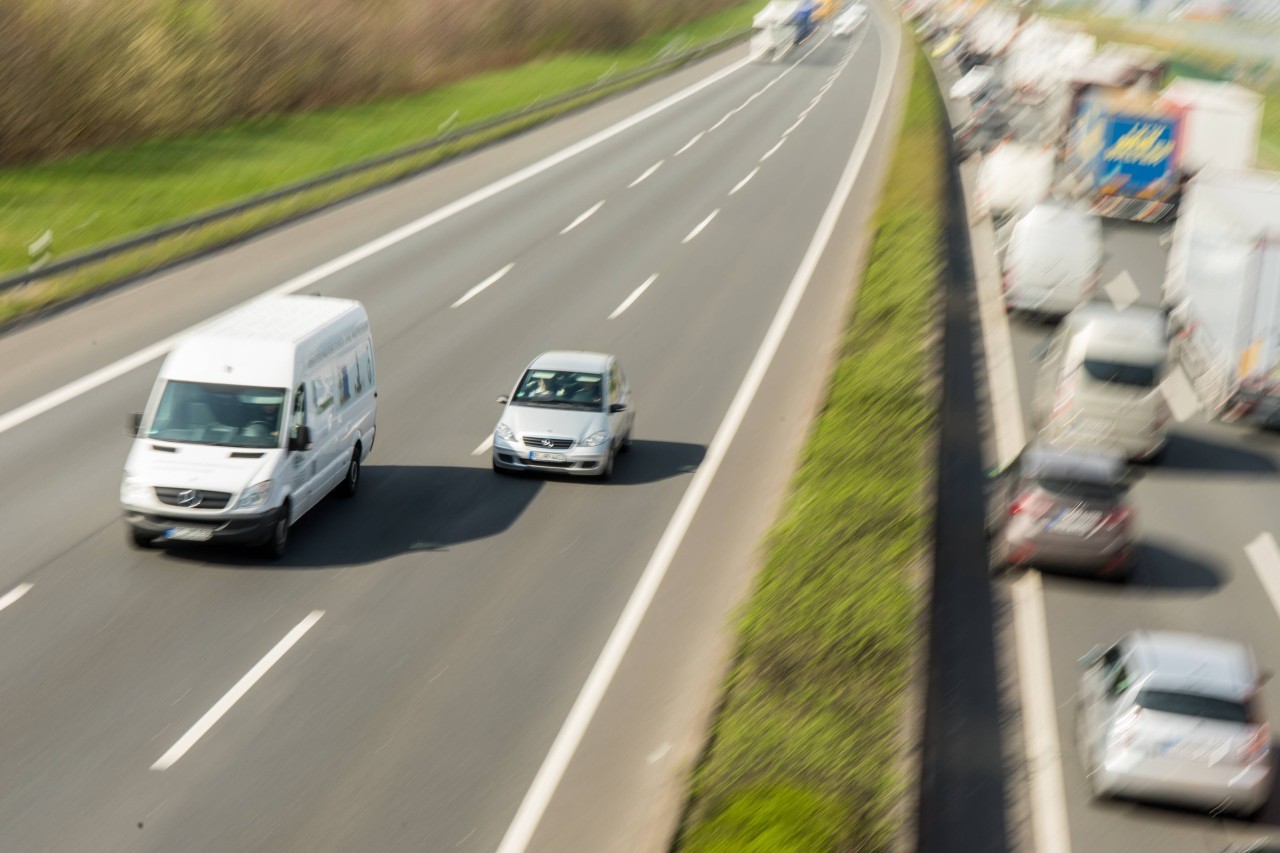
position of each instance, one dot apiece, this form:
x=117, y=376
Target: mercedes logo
x=546, y=442
x=189, y=497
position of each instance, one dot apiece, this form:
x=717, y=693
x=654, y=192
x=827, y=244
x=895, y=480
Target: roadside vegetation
x=806, y=754
x=108, y=193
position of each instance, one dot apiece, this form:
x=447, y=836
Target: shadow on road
x=962, y=793
x=1197, y=453
x=1159, y=567
x=430, y=508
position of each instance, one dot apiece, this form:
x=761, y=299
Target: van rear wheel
x=351, y=483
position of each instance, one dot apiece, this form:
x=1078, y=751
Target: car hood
x=559, y=423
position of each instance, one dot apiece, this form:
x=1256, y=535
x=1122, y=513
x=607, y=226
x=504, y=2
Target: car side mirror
x=617, y=407
x=301, y=439
x=133, y=424
x=504, y=399
x=1092, y=657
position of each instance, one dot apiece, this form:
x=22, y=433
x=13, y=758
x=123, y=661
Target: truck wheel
x=351, y=483
x=138, y=538
x=277, y=544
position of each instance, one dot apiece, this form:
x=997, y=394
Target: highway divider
x=815, y=744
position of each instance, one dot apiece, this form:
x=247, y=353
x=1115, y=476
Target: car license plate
x=543, y=456
x=1075, y=523
x=189, y=534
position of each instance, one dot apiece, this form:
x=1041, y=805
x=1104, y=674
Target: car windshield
x=1194, y=705
x=1079, y=490
x=224, y=415
x=1120, y=373
x=560, y=389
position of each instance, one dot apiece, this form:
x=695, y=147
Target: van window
x=345, y=381
x=365, y=357
x=615, y=386
x=1119, y=373
x=322, y=393
x=299, y=410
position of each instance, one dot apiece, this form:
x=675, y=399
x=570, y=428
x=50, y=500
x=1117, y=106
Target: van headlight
x=596, y=439
x=504, y=432
x=254, y=496
x=133, y=490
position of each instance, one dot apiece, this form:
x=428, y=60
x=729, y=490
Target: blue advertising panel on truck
x=1125, y=155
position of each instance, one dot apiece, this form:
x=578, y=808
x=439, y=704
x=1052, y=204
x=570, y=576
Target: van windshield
x=224, y=415
x=1120, y=373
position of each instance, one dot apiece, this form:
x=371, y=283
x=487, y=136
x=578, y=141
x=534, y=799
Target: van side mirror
x=301, y=439
x=617, y=407
x=503, y=399
x=1092, y=657
x=133, y=424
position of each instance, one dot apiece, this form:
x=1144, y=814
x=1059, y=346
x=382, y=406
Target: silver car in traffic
x=1175, y=718
x=570, y=412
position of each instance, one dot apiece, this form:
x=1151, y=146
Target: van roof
x=1107, y=330
x=254, y=344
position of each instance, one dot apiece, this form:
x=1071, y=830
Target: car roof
x=1073, y=463
x=587, y=362
x=1177, y=660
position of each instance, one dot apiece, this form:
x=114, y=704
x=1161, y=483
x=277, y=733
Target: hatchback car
x=1175, y=718
x=1064, y=509
x=569, y=412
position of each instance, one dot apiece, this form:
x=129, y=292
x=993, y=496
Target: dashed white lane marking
x=1265, y=557
x=771, y=151
x=582, y=217
x=14, y=594
x=691, y=143
x=635, y=294
x=236, y=693
x=799, y=122
x=484, y=445
x=647, y=173
x=658, y=754
x=726, y=117
x=742, y=183
x=482, y=285
x=703, y=224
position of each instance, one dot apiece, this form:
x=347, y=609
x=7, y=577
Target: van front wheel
x=351, y=483
x=277, y=543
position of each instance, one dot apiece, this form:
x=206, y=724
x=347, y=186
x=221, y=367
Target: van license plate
x=189, y=534
x=543, y=456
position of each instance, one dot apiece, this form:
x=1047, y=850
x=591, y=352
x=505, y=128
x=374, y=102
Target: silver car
x=1175, y=718
x=570, y=412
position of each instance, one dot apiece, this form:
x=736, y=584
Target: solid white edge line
x=647, y=173
x=635, y=294
x=583, y=217
x=1265, y=557
x=466, y=297
x=742, y=183
x=703, y=224
x=1044, y=750
x=14, y=594
x=535, y=802
x=116, y=369
x=771, y=151
x=691, y=143
x=236, y=693
x=484, y=445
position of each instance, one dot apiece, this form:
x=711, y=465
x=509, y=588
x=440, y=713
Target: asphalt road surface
x=419, y=650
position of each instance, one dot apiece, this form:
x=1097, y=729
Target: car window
x=1078, y=490
x=1120, y=373
x=1194, y=705
x=615, y=385
x=561, y=389
x=1119, y=681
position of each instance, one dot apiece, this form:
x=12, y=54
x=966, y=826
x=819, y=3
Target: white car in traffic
x=570, y=412
x=849, y=21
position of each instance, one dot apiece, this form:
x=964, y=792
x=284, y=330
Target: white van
x=1099, y=381
x=1054, y=260
x=255, y=417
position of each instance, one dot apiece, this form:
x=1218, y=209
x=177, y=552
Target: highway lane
x=1197, y=510
x=461, y=612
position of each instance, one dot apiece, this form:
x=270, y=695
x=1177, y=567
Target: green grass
x=97, y=197
x=805, y=754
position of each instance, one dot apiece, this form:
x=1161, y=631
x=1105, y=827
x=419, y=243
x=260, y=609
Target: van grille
x=192, y=498
x=548, y=443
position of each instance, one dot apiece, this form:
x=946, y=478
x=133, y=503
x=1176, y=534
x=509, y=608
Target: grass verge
x=806, y=752
x=104, y=195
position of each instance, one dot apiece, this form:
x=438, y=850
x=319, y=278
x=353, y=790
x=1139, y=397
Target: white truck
x=1222, y=293
x=773, y=31
x=1221, y=124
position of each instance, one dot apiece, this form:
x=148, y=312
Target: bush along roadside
x=806, y=754
x=106, y=195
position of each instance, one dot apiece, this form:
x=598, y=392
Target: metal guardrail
x=666, y=60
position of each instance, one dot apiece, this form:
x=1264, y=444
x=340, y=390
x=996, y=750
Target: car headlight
x=504, y=432
x=596, y=439
x=254, y=496
x=133, y=490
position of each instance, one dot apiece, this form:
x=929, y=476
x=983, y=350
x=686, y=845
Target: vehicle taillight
x=1030, y=504
x=1257, y=747
x=1119, y=517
